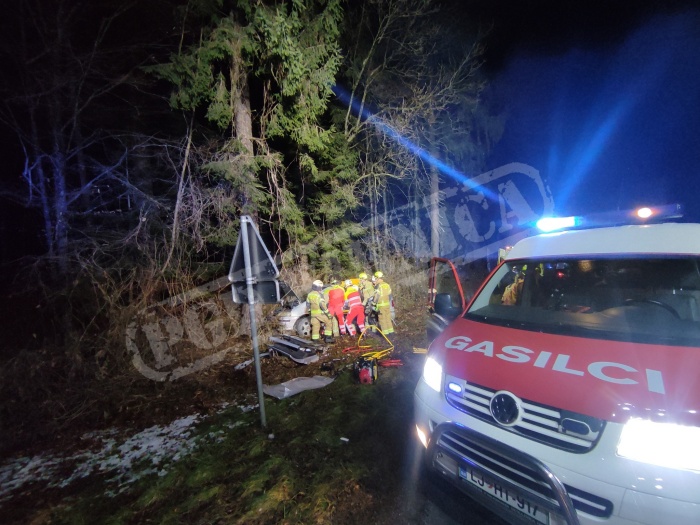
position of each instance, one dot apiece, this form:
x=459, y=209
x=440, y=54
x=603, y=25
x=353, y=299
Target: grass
x=304, y=474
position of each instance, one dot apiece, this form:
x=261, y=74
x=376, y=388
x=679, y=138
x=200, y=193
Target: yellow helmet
x=363, y=275
x=378, y=274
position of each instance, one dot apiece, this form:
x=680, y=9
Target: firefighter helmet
x=378, y=274
x=348, y=283
x=317, y=285
x=363, y=275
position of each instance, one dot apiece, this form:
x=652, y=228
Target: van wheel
x=303, y=326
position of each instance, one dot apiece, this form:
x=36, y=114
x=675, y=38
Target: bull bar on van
x=453, y=447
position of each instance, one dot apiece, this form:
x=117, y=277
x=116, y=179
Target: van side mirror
x=443, y=306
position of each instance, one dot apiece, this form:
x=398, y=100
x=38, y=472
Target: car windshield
x=641, y=299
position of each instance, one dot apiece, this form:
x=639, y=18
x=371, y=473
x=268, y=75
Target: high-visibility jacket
x=316, y=302
x=352, y=297
x=366, y=291
x=512, y=292
x=382, y=294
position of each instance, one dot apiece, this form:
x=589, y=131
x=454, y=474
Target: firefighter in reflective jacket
x=382, y=302
x=335, y=298
x=366, y=288
x=319, y=312
x=356, y=311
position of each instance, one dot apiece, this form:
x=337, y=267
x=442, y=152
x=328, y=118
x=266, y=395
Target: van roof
x=669, y=238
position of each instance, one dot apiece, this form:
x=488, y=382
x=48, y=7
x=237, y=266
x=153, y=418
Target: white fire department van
x=568, y=390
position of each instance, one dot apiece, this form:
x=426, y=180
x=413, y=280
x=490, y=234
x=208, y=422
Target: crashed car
x=293, y=317
x=566, y=390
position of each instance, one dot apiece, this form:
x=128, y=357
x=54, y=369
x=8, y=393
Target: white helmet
x=348, y=283
x=317, y=285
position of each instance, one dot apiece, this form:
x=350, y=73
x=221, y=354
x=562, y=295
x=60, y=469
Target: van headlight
x=432, y=374
x=664, y=444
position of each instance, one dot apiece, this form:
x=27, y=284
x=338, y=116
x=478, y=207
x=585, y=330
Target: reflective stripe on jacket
x=383, y=294
x=316, y=303
x=352, y=296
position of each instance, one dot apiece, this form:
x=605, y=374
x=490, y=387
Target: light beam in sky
x=367, y=116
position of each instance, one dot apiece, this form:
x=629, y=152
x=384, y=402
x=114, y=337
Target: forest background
x=146, y=129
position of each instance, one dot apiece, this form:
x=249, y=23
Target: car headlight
x=432, y=374
x=663, y=444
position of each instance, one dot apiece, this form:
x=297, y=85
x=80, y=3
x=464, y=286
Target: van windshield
x=641, y=299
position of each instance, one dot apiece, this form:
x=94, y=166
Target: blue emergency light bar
x=644, y=214
x=550, y=224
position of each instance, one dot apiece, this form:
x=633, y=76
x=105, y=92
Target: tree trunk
x=374, y=210
x=180, y=193
x=434, y=211
x=60, y=211
x=415, y=233
x=385, y=221
x=243, y=131
x=36, y=178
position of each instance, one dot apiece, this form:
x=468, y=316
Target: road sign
x=253, y=275
x=261, y=269
x=266, y=292
x=262, y=265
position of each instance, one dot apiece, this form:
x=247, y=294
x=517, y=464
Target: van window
x=645, y=299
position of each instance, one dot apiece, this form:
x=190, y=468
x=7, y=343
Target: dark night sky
x=603, y=98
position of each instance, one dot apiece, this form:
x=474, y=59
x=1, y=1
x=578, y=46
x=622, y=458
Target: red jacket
x=336, y=298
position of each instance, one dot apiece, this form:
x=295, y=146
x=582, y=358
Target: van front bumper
x=457, y=444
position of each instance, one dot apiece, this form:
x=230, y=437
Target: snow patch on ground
x=119, y=461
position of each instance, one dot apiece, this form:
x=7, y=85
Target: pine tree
x=262, y=75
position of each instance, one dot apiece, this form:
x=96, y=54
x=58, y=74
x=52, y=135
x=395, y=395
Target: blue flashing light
x=550, y=224
x=454, y=387
x=641, y=215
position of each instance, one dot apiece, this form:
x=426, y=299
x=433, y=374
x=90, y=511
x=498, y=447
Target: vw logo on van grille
x=505, y=408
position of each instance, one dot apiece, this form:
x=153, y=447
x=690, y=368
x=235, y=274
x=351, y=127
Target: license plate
x=508, y=496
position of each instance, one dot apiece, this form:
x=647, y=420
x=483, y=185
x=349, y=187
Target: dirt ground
x=144, y=403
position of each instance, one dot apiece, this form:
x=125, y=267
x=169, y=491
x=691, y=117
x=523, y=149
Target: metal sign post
x=261, y=268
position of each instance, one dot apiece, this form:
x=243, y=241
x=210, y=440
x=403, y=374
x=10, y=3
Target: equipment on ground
x=390, y=362
x=299, y=350
x=365, y=370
